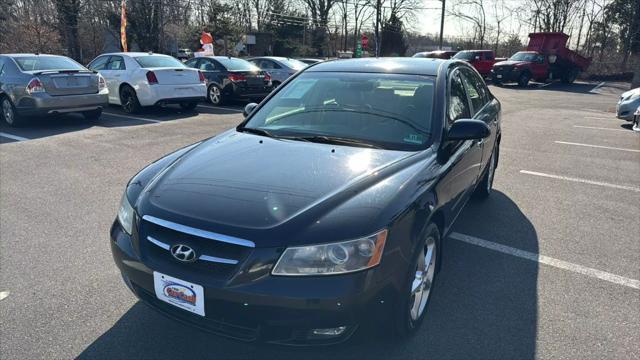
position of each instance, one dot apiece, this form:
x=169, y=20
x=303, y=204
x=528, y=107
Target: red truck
x=481, y=60
x=546, y=58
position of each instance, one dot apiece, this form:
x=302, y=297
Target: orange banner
x=123, y=27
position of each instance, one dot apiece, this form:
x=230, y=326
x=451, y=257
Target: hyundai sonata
x=324, y=211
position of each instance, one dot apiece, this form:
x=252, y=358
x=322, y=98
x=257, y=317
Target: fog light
x=336, y=331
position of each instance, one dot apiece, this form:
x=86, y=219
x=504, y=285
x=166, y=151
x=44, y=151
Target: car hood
x=240, y=180
x=510, y=63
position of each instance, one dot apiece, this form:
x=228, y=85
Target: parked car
x=280, y=68
x=323, y=212
x=184, y=54
x=232, y=78
x=310, y=61
x=547, y=58
x=438, y=54
x=628, y=103
x=482, y=60
x=39, y=84
x=137, y=79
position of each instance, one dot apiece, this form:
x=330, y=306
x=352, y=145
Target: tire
x=129, y=100
x=275, y=84
x=9, y=114
x=523, y=80
x=483, y=190
x=636, y=123
x=189, y=106
x=214, y=94
x=92, y=115
x=410, y=311
x=570, y=76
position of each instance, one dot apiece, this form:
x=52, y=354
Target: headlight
x=125, y=214
x=333, y=258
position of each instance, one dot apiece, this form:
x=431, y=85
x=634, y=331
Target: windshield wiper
x=323, y=139
x=257, y=131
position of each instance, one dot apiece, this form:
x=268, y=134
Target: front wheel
x=9, y=114
x=523, y=80
x=486, y=184
x=419, y=284
x=636, y=123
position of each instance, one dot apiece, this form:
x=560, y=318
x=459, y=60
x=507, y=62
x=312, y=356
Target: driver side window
x=458, y=104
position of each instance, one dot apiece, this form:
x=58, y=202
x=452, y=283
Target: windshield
x=235, y=64
x=158, y=61
x=370, y=109
x=465, y=55
x=522, y=56
x=33, y=63
x=293, y=63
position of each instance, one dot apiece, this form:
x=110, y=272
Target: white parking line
x=594, y=90
x=584, y=181
x=13, y=137
x=132, y=117
x=4, y=295
x=220, y=108
x=560, y=264
x=601, y=128
x=596, y=146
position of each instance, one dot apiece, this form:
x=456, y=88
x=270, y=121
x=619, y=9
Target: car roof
x=133, y=54
x=26, y=54
x=392, y=65
x=270, y=57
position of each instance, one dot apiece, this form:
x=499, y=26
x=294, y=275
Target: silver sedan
x=628, y=104
x=38, y=84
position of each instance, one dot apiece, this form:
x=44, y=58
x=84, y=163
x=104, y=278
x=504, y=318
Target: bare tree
x=472, y=11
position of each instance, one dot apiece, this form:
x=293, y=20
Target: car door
x=116, y=69
x=539, y=68
x=462, y=159
x=212, y=70
x=484, y=107
x=276, y=71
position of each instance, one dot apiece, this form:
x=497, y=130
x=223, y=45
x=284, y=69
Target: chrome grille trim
x=201, y=257
x=198, y=232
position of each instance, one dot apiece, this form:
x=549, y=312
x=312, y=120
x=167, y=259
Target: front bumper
x=506, y=74
x=267, y=308
x=626, y=109
x=45, y=104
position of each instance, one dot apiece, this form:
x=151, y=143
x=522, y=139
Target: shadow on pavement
x=484, y=306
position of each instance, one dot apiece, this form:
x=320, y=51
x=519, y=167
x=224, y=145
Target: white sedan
x=138, y=79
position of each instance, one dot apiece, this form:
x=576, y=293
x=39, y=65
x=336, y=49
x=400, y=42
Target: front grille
x=502, y=69
x=218, y=255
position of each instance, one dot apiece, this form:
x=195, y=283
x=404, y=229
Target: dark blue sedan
x=324, y=212
x=230, y=78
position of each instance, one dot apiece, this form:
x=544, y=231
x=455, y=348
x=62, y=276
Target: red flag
x=123, y=26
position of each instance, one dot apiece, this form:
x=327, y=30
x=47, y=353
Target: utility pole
x=378, y=8
x=441, y=25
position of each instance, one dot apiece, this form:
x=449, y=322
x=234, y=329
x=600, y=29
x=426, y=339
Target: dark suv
x=230, y=78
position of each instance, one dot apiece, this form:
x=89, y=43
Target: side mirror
x=468, y=129
x=249, y=109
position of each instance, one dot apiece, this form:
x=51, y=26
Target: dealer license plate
x=179, y=293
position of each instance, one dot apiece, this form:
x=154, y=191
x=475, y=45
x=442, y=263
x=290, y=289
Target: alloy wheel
x=7, y=112
x=214, y=95
x=423, y=279
x=127, y=104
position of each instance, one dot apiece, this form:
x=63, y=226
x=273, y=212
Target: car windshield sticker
x=413, y=139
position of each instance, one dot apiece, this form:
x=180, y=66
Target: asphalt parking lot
x=547, y=267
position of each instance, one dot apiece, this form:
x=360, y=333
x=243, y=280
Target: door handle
x=480, y=141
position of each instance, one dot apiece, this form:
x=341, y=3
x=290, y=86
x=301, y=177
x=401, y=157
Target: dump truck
x=546, y=58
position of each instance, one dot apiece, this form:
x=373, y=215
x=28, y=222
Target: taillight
x=35, y=86
x=102, y=84
x=236, y=77
x=151, y=78
x=202, y=78
x=267, y=77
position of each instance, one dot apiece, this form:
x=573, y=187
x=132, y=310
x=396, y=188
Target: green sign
x=358, y=53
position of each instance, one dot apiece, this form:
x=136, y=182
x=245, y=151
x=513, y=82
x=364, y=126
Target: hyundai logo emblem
x=183, y=253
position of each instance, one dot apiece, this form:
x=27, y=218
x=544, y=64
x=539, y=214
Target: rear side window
x=458, y=107
x=99, y=63
x=476, y=90
x=34, y=63
x=116, y=63
x=158, y=61
x=235, y=64
x=191, y=63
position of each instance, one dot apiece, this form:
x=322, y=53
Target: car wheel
x=129, y=100
x=523, y=80
x=215, y=95
x=419, y=284
x=9, y=114
x=275, y=84
x=189, y=106
x=486, y=184
x=636, y=123
x=92, y=115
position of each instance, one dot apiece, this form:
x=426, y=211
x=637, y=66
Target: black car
x=231, y=78
x=323, y=212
